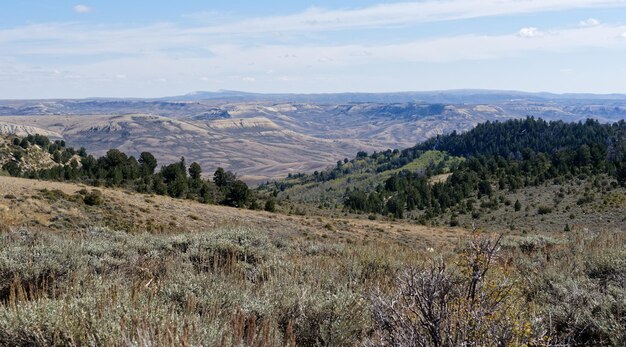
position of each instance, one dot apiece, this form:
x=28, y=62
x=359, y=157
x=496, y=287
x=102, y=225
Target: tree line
x=117, y=169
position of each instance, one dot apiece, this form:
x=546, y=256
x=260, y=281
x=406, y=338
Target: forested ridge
x=499, y=156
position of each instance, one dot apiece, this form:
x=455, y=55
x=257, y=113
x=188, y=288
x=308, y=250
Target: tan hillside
x=59, y=206
x=25, y=130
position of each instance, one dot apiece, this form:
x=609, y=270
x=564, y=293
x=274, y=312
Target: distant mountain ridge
x=463, y=96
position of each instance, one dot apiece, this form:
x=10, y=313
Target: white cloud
x=159, y=42
x=446, y=49
x=82, y=40
x=529, y=32
x=249, y=50
x=402, y=13
x=80, y=8
x=590, y=22
x=361, y=54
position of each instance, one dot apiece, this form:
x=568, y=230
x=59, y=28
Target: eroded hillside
x=267, y=137
x=258, y=142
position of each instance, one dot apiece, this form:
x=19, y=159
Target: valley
x=520, y=223
x=261, y=140
x=398, y=173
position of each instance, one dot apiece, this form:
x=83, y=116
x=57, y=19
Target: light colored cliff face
x=256, y=123
x=25, y=130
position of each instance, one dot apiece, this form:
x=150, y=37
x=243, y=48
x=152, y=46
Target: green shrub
x=94, y=198
x=586, y=199
x=544, y=210
x=270, y=205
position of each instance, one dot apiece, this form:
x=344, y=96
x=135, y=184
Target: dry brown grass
x=72, y=274
x=39, y=203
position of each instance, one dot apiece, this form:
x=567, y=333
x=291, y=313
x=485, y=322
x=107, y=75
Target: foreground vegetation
x=141, y=278
x=235, y=286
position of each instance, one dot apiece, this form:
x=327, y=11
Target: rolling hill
x=263, y=137
x=522, y=175
x=89, y=265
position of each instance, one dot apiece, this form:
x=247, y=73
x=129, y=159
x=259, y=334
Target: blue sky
x=70, y=49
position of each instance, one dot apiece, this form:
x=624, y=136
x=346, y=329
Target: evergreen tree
x=220, y=178
x=159, y=186
x=205, y=193
x=148, y=163
x=12, y=168
x=270, y=205
x=238, y=194
x=24, y=144
x=178, y=188
x=195, y=171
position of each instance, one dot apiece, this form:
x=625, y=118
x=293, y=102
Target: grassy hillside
x=521, y=175
x=493, y=249
x=57, y=207
x=361, y=173
x=259, y=279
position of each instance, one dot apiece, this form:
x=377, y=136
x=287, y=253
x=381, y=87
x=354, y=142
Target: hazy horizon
x=153, y=49
x=295, y=93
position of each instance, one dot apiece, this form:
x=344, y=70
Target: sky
x=141, y=48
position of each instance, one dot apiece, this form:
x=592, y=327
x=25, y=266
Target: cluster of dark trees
x=509, y=155
x=116, y=169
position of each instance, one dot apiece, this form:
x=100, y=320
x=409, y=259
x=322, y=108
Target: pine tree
x=195, y=171
x=147, y=163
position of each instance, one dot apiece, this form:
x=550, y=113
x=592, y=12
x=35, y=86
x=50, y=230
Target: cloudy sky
x=150, y=48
